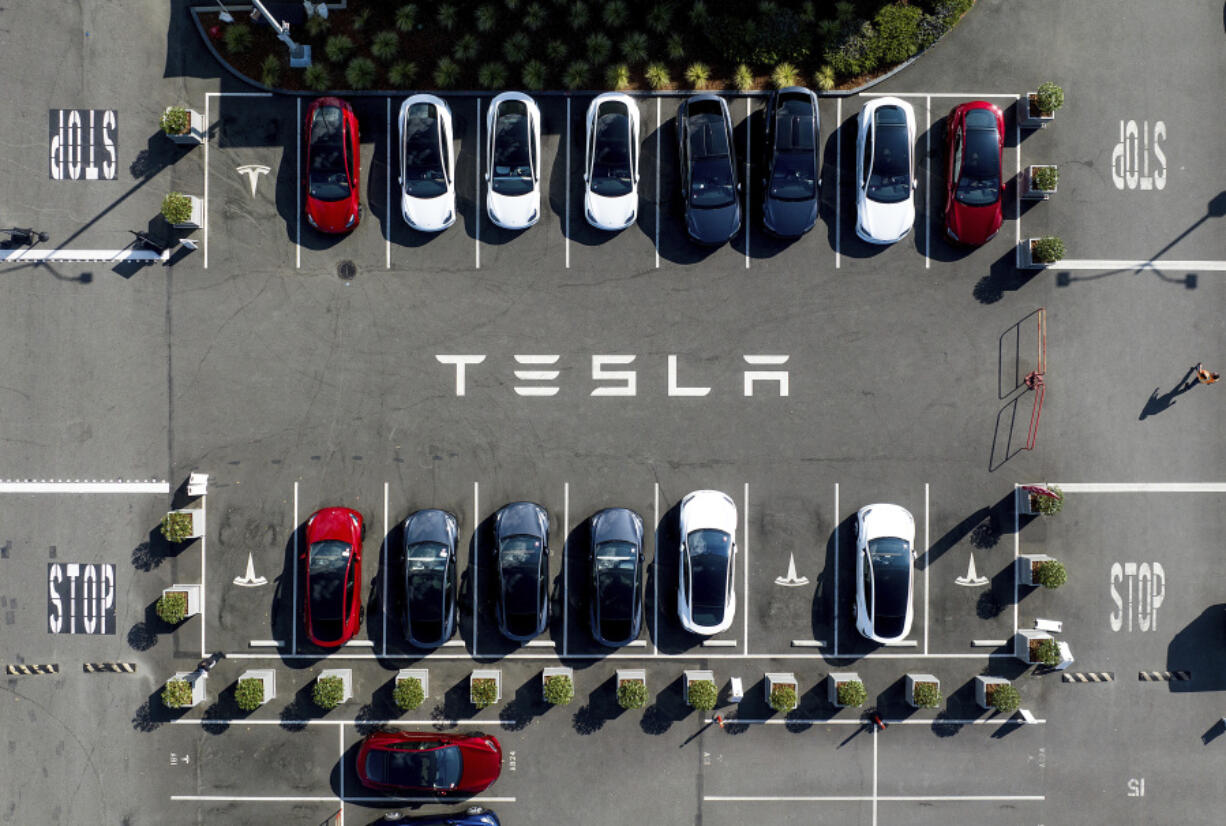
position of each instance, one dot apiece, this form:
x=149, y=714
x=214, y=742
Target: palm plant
x=617, y=76
x=448, y=16
x=492, y=75
x=534, y=16
x=446, y=73
x=338, y=48
x=660, y=17
x=576, y=75
x=579, y=15
x=697, y=75
x=317, y=26
x=825, y=78
x=598, y=47
x=316, y=77
x=402, y=74
x=384, y=46
x=270, y=70
x=634, y=47
x=785, y=74
x=360, y=74
x=466, y=48
x=676, y=47
x=615, y=14
x=555, y=51
x=535, y=74
x=657, y=76
x=516, y=47
x=486, y=18
x=406, y=17
x=238, y=38
x=742, y=78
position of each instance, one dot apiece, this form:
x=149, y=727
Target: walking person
x=1205, y=376
x=208, y=662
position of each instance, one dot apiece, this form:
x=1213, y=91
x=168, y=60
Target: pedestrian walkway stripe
x=27, y=670
x=24, y=255
x=1164, y=676
x=1089, y=677
x=115, y=668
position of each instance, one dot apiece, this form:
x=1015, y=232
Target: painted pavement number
x=80, y=598
x=84, y=144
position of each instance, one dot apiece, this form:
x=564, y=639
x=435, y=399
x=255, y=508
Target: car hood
x=888, y=520
x=789, y=218
x=482, y=764
x=428, y=526
x=515, y=211
x=713, y=226
x=611, y=213
x=331, y=216
x=332, y=523
x=615, y=526
x=708, y=509
x=975, y=224
x=429, y=214
x=887, y=223
x=520, y=518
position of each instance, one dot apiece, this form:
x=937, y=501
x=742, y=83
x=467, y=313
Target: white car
x=513, y=161
x=885, y=171
x=706, y=599
x=611, y=162
x=885, y=564
x=427, y=164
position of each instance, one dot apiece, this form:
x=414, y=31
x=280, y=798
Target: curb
x=1164, y=676
x=31, y=670
x=117, y=668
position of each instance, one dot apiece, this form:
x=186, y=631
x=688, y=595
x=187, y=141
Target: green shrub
x=1005, y=698
x=599, y=46
x=465, y=48
x=632, y=694
x=845, y=11
x=317, y=26
x=270, y=70
x=615, y=14
x=1045, y=177
x=808, y=12
x=660, y=17
x=576, y=74
x=338, y=48
x=783, y=698
x=617, y=77
x=511, y=5
x=237, y=38
x=249, y=693
x=406, y=17
x=172, y=607
x=316, y=77
x=1051, y=574
x=175, y=120
x=1048, y=250
x=676, y=47
x=852, y=53
x=828, y=30
x=785, y=74
x=176, y=209
x=408, y=694
x=328, y=692
x=702, y=695
x=177, y=693
x=897, y=33
x=359, y=21
x=1049, y=505
x=384, y=46
x=360, y=73
x=634, y=48
x=448, y=16
x=534, y=16
x=852, y=694
x=697, y=75
x=927, y=695
x=700, y=15
x=535, y=75
x=486, y=18
x=559, y=689
x=824, y=78
x=446, y=73
x=492, y=75
x=1049, y=97
x=402, y=74
x=657, y=76
x=483, y=692
x=579, y=16
x=555, y=51
x=517, y=47
x=742, y=78
x=1047, y=652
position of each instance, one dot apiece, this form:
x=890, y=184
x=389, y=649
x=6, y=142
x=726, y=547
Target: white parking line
x=387, y=209
x=566, y=217
x=477, y=222
x=1017, y=189
x=655, y=497
x=1017, y=551
x=861, y=798
x=813, y=657
x=856, y=721
x=294, y=528
x=836, y=561
x=927, y=520
x=745, y=531
x=565, y=535
x=748, y=191
x=297, y=198
x=206, y=179
x=340, y=742
x=204, y=517
x=315, y=721
x=971, y=95
x=927, y=183
x=30, y=486
x=1141, y=487
x=476, y=558
x=720, y=644
x=875, y=773
x=385, y=564
x=659, y=129
x=838, y=191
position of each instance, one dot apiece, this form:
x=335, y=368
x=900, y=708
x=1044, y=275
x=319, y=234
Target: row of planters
x=1039, y=181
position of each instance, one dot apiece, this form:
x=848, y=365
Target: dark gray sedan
x=616, y=565
x=429, y=566
x=521, y=551
x=709, y=186
x=790, y=190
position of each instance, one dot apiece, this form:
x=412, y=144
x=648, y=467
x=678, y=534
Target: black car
x=429, y=568
x=616, y=565
x=791, y=188
x=521, y=550
x=709, y=187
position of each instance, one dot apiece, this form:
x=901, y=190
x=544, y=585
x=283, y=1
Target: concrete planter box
x=626, y=675
x=912, y=679
x=494, y=674
x=193, y=591
x=195, y=131
x=556, y=671
x=346, y=675
x=781, y=678
x=1031, y=120
x=267, y=676
x=422, y=676
x=1026, y=564
x=197, y=515
x=196, y=680
x=697, y=675
x=1030, y=192
x=1026, y=261
x=196, y=220
x=832, y=685
x=981, y=689
x=1023, y=640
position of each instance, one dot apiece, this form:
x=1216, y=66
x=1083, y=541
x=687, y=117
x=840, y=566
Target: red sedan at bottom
x=429, y=762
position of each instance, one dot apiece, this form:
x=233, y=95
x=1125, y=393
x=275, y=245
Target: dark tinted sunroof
x=708, y=139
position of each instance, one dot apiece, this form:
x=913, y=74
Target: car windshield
x=611, y=156
x=425, y=568
x=711, y=184
x=890, y=179
x=327, y=176
x=512, y=173
x=423, y=159
x=794, y=176
x=891, y=560
x=979, y=183
x=410, y=766
x=521, y=564
x=327, y=561
x=710, y=555
x=615, y=567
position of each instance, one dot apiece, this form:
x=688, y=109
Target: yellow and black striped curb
x=1164, y=676
x=13, y=670
x=1090, y=677
x=120, y=668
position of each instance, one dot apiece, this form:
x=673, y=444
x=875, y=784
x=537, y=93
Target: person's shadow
x=1155, y=404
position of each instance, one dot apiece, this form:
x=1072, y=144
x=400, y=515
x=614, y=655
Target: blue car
x=472, y=816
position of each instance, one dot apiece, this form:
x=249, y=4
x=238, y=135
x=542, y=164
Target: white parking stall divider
x=836, y=564
x=565, y=537
x=297, y=203
x=387, y=211
x=204, y=517
x=205, y=141
x=655, y=509
x=659, y=129
x=477, y=245
x=927, y=189
x=294, y=616
x=745, y=531
x=566, y=214
x=748, y=191
x=340, y=736
x=476, y=557
x=927, y=519
x=385, y=564
x=838, y=258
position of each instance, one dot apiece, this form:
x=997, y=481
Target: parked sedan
x=429, y=762
x=611, y=162
x=885, y=171
x=792, y=184
x=332, y=561
x=427, y=164
x=521, y=549
x=513, y=162
x=709, y=187
x=885, y=556
x=472, y=816
x=430, y=539
x=706, y=599
x=333, y=163
x=974, y=176
x=616, y=566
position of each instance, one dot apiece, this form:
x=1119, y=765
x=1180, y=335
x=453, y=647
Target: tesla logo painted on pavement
x=972, y=577
x=250, y=580
x=791, y=580
x=252, y=171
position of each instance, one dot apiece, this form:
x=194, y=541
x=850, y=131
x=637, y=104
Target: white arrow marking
x=250, y=580
x=791, y=580
x=972, y=578
x=252, y=171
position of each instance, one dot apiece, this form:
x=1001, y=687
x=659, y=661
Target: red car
x=429, y=761
x=333, y=162
x=333, y=563
x=974, y=179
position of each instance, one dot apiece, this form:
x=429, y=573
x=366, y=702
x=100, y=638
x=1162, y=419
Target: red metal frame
x=1034, y=380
